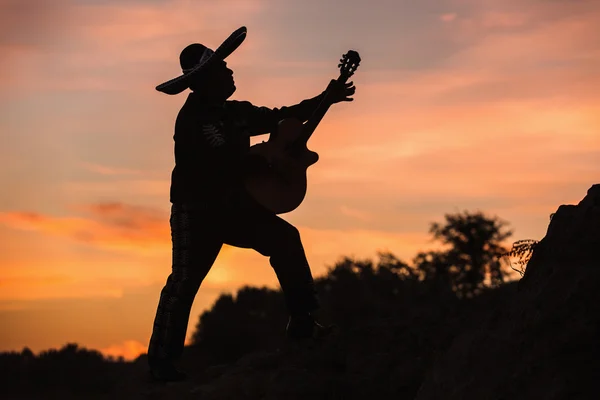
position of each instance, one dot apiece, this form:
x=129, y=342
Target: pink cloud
x=113, y=226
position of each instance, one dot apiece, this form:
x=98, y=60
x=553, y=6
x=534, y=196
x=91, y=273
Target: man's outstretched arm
x=263, y=120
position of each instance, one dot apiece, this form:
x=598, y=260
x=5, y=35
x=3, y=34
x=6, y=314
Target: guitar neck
x=313, y=121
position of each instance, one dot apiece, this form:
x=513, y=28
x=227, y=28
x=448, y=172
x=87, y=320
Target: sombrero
x=196, y=57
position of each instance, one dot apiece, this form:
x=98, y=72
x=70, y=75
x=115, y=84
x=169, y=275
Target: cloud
x=113, y=226
x=111, y=171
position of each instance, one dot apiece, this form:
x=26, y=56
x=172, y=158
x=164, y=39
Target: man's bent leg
x=288, y=259
x=274, y=237
x=249, y=226
x=292, y=269
x=194, y=252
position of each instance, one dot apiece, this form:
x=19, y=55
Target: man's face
x=218, y=81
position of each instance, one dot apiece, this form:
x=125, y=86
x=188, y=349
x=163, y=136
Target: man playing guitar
x=210, y=206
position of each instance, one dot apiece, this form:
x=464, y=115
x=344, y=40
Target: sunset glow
x=460, y=105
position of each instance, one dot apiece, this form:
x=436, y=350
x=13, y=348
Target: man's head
x=215, y=83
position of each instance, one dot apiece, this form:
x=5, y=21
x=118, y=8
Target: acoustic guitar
x=282, y=186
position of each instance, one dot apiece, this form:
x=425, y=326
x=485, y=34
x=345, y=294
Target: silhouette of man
x=210, y=207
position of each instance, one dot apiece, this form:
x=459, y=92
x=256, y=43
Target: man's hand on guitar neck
x=340, y=91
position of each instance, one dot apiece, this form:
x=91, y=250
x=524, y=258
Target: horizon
x=459, y=105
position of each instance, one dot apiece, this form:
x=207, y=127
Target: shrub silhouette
x=236, y=326
x=475, y=253
x=522, y=250
x=71, y=369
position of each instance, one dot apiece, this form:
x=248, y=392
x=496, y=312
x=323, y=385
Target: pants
x=198, y=232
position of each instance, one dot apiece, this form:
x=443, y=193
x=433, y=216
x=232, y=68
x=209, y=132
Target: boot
x=165, y=371
x=306, y=327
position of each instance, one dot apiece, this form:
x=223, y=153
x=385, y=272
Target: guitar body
x=282, y=187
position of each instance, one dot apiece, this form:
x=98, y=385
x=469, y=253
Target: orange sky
x=460, y=104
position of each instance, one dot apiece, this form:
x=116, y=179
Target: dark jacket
x=211, y=143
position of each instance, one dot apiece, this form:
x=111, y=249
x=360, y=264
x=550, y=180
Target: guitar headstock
x=349, y=63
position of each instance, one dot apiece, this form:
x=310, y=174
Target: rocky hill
x=544, y=343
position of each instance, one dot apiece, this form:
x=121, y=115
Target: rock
x=544, y=343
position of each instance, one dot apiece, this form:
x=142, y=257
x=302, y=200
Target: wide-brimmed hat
x=196, y=57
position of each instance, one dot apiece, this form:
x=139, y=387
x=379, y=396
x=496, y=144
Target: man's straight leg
x=195, y=249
